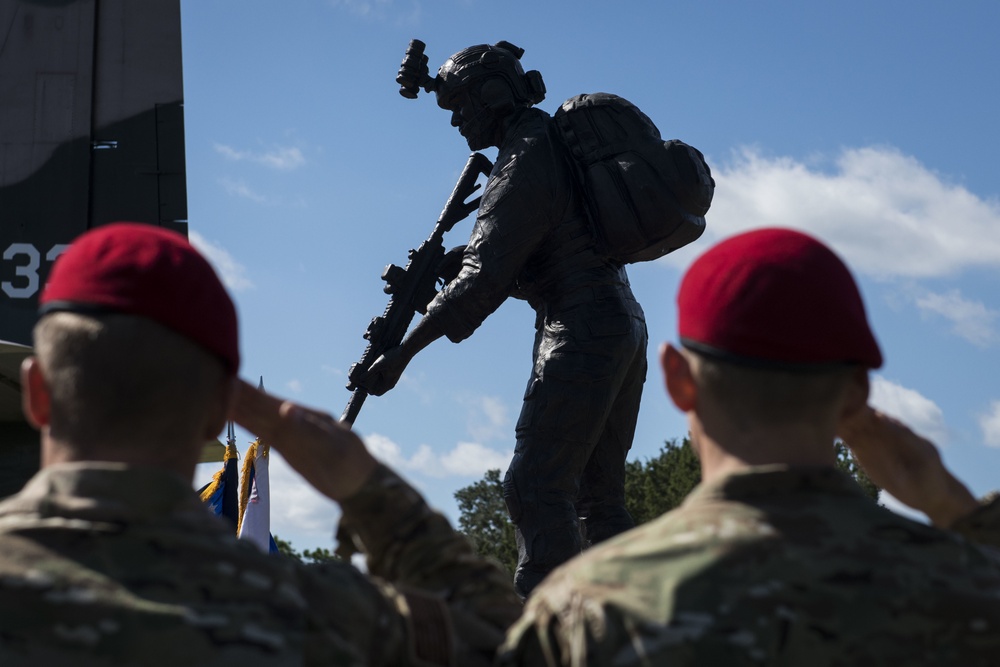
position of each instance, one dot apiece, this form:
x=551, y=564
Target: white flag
x=255, y=499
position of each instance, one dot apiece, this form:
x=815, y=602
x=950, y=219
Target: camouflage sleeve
x=455, y=605
x=570, y=629
x=982, y=525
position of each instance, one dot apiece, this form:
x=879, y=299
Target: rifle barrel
x=354, y=404
x=413, y=283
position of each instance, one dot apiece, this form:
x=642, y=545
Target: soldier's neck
x=173, y=457
x=507, y=124
x=726, y=448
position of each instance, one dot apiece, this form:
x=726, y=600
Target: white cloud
x=884, y=212
x=972, y=320
x=367, y=8
x=473, y=460
x=466, y=459
x=283, y=159
x=893, y=504
x=990, y=424
x=294, y=386
x=425, y=461
x=415, y=383
x=383, y=10
x=242, y=190
x=487, y=418
x=913, y=409
x=233, y=274
x=374, y=9
x=384, y=449
x=296, y=507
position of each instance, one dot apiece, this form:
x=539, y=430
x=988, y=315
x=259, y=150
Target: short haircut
x=762, y=394
x=124, y=380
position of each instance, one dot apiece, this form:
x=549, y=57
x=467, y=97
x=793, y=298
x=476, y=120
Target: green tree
x=285, y=548
x=847, y=463
x=483, y=519
x=652, y=487
x=318, y=555
x=660, y=484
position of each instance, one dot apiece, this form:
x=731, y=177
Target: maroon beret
x=775, y=297
x=138, y=269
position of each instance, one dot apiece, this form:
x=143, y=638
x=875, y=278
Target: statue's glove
x=384, y=373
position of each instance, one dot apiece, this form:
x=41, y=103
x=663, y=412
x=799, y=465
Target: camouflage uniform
x=983, y=525
x=772, y=566
x=103, y=564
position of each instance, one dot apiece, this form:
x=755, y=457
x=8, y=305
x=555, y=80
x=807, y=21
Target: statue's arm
x=519, y=208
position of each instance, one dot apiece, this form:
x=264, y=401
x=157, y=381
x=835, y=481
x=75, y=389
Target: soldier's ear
x=678, y=377
x=855, y=393
x=36, y=401
x=496, y=95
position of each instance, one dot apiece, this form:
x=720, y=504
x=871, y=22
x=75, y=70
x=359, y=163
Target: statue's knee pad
x=511, y=497
x=606, y=523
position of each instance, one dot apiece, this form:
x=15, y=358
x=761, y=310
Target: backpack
x=646, y=197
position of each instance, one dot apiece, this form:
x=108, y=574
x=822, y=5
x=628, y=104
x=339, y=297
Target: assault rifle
x=412, y=288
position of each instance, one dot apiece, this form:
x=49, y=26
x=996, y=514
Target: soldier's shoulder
x=55, y=609
x=530, y=141
x=642, y=568
x=982, y=525
x=717, y=576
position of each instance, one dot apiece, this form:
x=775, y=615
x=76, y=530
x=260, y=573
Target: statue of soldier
x=532, y=240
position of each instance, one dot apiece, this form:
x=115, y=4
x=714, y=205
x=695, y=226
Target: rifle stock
x=412, y=288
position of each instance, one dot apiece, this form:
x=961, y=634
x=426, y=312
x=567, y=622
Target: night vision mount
x=501, y=59
x=413, y=73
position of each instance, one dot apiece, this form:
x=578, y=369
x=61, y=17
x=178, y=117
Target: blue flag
x=221, y=495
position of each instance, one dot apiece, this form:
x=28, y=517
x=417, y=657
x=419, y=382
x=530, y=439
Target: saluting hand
x=327, y=454
x=906, y=465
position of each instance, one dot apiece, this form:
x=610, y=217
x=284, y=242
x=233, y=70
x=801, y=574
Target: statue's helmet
x=478, y=64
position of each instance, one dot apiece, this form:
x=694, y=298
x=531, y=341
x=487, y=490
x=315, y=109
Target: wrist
x=363, y=472
x=422, y=335
x=956, y=502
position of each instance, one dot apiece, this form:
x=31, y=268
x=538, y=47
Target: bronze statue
x=532, y=239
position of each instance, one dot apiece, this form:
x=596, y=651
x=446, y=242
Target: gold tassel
x=213, y=486
x=248, y=460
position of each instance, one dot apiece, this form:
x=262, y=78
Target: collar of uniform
x=774, y=480
x=516, y=120
x=103, y=491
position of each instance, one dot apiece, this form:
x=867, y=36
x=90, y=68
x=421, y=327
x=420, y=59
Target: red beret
x=775, y=297
x=138, y=269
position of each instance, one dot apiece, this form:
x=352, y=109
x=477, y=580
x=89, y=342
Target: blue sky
x=870, y=125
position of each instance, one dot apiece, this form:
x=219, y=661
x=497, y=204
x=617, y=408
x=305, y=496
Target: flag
x=221, y=495
x=243, y=498
x=255, y=499
x=213, y=452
